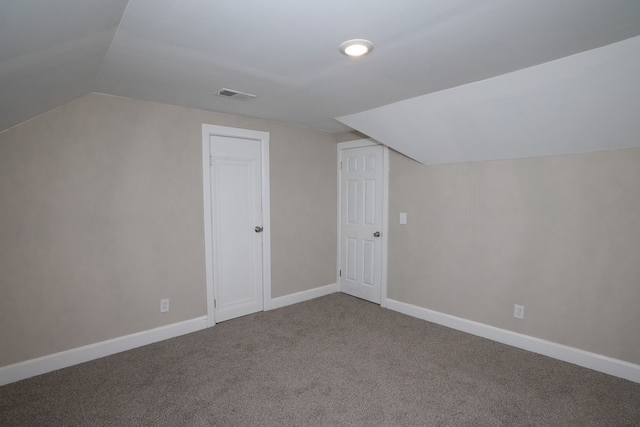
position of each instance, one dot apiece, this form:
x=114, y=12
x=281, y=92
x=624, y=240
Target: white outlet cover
x=403, y=218
x=518, y=311
x=164, y=305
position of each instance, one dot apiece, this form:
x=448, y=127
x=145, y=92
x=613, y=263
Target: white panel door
x=361, y=210
x=236, y=200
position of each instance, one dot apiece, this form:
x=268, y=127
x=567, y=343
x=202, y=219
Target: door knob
x=258, y=229
x=376, y=234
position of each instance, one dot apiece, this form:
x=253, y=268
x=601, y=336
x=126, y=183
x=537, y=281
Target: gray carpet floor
x=332, y=361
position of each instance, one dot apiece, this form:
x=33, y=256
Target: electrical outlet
x=164, y=305
x=403, y=218
x=518, y=311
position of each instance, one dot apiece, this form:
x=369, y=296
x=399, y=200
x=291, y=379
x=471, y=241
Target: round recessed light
x=356, y=47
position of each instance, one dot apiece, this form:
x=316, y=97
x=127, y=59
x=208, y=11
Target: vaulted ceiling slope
x=585, y=102
x=51, y=52
x=283, y=51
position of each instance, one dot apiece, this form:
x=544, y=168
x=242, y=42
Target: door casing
x=385, y=210
x=215, y=130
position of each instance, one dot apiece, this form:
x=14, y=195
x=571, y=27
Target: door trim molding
x=385, y=209
x=231, y=132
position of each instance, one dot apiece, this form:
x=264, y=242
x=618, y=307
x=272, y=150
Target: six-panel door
x=361, y=181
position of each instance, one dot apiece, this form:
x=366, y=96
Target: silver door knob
x=376, y=234
x=258, y=229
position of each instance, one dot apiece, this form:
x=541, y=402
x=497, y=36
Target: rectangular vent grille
x=234, y=94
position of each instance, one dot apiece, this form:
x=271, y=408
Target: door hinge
x=340, y=274
x=340, y=165
x=215, y=303
x=210, y=160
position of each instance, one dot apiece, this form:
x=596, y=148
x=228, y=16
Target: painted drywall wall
x=582, y=103
x=101, y=216
x=559, y=235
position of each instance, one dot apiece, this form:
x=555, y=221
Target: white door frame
x=385, y=210
x=230, y=132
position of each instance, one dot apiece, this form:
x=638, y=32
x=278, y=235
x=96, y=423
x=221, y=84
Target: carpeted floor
x=332, y=361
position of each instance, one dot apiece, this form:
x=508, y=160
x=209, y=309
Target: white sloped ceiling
x=585, y=102
x=286, y=53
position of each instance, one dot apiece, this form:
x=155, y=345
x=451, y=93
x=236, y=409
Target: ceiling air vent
x=234, y=94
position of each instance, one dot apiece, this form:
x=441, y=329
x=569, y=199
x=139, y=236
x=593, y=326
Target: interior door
x=361, y=210
x=236, y=226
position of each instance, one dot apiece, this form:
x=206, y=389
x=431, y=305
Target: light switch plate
x=403, y=218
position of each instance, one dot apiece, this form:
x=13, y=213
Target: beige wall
x=101, y=216
x=559, y=235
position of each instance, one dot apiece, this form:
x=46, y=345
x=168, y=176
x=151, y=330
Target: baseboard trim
x=597, y=362
x=42, y=365
x=64, y=359
x=303, y=296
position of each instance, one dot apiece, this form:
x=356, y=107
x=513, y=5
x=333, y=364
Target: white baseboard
x=302, y=296
x=64, y=359
x=42, y=365
x=597, y=362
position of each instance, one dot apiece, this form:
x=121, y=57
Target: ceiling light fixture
x=356, y=47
